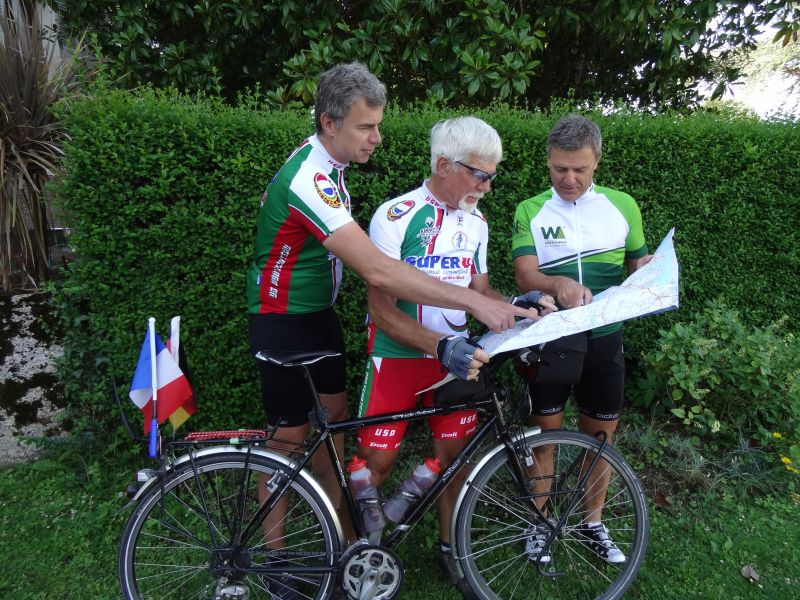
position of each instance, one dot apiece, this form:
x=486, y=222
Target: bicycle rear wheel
x=494, y=522
x=178, y=541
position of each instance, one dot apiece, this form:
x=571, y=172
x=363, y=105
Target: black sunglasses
x=482, y=175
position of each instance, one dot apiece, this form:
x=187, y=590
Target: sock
x=445, y=547
x=592, y=523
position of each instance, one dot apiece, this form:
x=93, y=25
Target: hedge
x=163, y=192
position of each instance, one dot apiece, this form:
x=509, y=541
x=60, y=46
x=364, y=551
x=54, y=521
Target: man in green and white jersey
x=573, y=241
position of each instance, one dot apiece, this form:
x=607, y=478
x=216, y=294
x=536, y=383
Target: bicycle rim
x=494, y=520
x=177, y=543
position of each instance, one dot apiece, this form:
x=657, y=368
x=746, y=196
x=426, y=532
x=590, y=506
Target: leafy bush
x=719, y=376
x=34, y=74
x=163, y=193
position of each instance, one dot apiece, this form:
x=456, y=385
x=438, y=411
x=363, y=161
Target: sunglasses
x=483, y=176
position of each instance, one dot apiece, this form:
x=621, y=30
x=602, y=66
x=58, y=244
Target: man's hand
x=460, y=357
x=543, y=303
x=570, y=293
x=498, y=315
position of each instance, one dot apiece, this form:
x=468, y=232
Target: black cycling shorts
x=284, y=391
x=599, y=393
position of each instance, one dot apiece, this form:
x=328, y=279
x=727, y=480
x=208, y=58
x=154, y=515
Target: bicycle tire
x=494, y=516
x=168, y=549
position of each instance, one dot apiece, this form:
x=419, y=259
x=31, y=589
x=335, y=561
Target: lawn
x=61, y=522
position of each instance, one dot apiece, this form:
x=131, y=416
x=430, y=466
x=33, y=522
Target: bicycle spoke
x=496, y=521
x=178, y=545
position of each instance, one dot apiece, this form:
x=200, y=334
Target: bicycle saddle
x=290, y=358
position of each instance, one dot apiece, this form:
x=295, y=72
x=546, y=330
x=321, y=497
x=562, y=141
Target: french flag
x=173, y=392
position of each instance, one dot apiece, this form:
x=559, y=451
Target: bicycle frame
x=323, y=434
x=227, y=532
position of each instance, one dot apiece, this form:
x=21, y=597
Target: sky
x=770, y=87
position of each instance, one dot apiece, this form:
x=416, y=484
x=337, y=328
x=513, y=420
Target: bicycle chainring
x=371, y=573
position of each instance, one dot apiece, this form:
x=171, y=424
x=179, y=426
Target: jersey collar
x=429, y=194
x=317, y=144
x=587, y=194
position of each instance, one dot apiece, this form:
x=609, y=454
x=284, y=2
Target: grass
x=59, y=526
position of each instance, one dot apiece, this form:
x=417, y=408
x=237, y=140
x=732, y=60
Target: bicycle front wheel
x=179, y=541
x=499, y=514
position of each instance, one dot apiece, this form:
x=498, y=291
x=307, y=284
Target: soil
x=31, y=398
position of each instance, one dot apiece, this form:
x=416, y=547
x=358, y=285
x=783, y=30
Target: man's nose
x=375, y=137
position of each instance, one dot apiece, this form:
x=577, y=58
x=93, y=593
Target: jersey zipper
x=576, y=223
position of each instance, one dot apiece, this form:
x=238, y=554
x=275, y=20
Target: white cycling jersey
x=449, y=244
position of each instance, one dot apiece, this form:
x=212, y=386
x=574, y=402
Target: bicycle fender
x=305, y=475
x=528, y=433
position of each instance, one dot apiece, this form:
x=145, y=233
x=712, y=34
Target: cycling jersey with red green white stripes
x=449, y=244
x=306, y=201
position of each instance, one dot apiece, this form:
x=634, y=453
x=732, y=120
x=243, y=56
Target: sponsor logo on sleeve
x=399, y=209
x=326, y=190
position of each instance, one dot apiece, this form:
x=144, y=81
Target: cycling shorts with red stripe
x=392, y=385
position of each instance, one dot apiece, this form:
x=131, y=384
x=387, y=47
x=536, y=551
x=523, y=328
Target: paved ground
x=31, y=400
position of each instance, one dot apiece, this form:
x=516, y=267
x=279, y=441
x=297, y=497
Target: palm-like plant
x=34, y=74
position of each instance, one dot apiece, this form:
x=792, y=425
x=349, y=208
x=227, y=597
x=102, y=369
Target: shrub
x=34, y=74
x=163, y=193
x=721, y=377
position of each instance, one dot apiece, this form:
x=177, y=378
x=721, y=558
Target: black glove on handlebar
x=455, y=353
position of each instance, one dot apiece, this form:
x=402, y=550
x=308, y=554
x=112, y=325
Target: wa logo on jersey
x=554, y=236
x=556, y=233
x=326, y=190
x=400, y=209
x=427, y=233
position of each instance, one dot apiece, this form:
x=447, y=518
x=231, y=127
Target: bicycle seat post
x=318, y=417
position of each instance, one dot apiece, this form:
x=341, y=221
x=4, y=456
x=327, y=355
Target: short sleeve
x=317, y=201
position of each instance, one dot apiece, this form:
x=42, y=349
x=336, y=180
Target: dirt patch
x=31, y=399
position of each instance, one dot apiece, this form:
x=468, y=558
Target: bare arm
x=568, y=292
x=396, y=278
x=480, y=283
x=632, y=264
x=399, y=326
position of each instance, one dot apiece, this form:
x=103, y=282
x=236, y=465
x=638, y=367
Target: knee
x=339, y=413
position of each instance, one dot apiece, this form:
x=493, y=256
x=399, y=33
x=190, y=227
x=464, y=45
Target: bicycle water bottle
x=412, y=489
x=367, y=497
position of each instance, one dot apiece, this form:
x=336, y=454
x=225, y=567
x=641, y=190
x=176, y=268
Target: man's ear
x=443, y=166
x=328, y=124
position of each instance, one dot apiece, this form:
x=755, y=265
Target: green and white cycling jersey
x=444, y=243
x=306, y=201
x=587, y=240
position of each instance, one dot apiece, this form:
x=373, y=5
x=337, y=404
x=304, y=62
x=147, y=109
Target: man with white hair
x=438, y=229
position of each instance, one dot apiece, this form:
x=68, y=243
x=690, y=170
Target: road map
x=649, y=290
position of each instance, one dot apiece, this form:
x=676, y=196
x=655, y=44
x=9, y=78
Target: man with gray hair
x=305, y=233
x=573, y=241
x=438, y=229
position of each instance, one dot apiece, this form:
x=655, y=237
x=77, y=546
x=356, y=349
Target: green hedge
x=163, y=194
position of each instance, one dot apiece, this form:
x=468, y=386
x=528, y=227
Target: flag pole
x=151, y=327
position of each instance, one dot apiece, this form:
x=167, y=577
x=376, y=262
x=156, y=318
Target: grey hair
x=342, y=86
x=465, y=139
x=573, y=132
